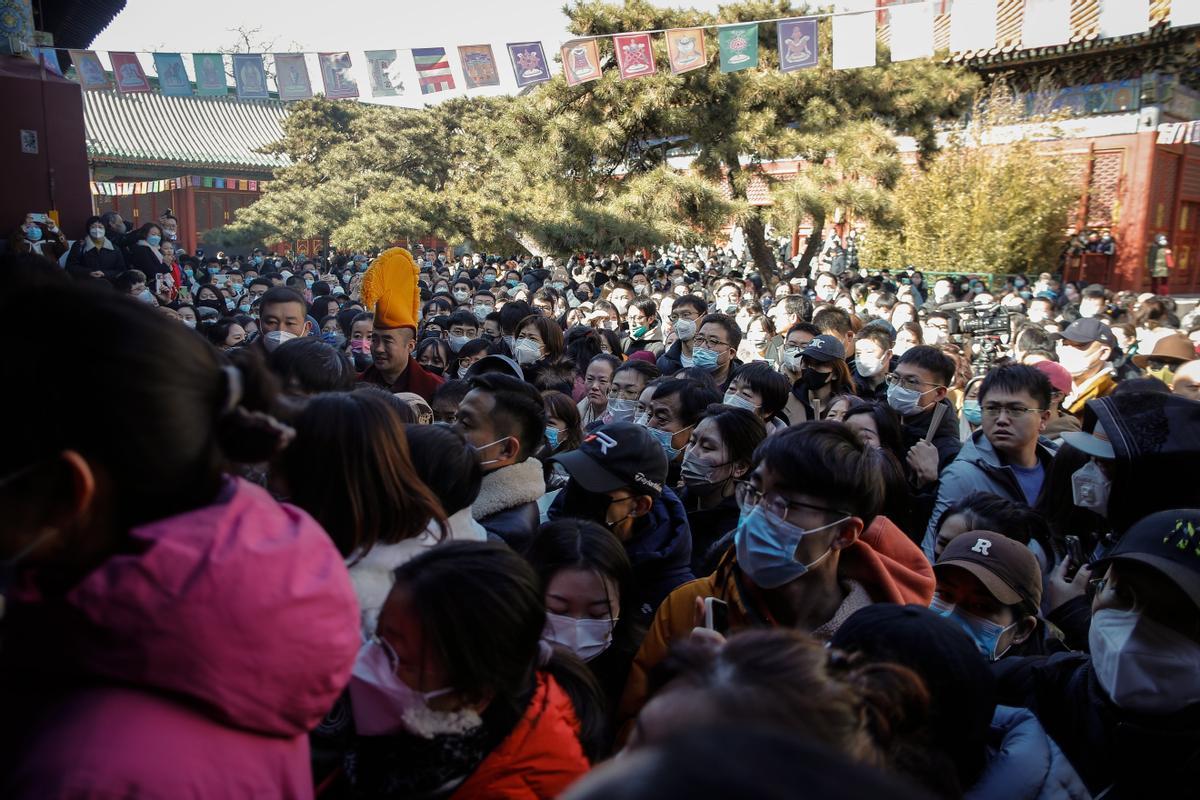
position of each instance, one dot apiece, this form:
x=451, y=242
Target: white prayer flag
x=1124, y=17
x=854, y=34
x=1185, y=12
x=972, y=25
x=912, y=31
x=1046, y=23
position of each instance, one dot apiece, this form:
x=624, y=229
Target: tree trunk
x=763, y=253
x=813, y=246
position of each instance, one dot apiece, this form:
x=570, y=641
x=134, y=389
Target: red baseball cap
x=1060, y=379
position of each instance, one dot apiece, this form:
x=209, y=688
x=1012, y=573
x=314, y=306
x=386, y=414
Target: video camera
x=984, y=331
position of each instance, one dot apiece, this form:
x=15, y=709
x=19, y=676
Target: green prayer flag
x=739, y=47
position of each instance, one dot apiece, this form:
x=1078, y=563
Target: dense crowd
x=654, y=524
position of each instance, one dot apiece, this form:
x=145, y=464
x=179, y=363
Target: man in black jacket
x=920, y=383
x=505, y=421
x=1128, y=714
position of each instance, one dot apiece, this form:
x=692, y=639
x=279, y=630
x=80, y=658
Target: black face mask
x=435, y=370
x=812, y=380
x=582, y=504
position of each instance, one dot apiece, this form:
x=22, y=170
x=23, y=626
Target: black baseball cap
x=1007, y=569
x=1090, y=330
x=617, y=456
x=825, y=348
x=496, y=363
x=1168, y=541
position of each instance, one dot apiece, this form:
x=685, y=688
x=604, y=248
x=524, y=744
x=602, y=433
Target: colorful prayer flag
x=529, y=63
x=89, y=71
x=854, y=34
x=685, y=49
x=972, y=25
x=47, y=57
x=1124, y=17
x=210, y=74
x=911, y=31
x=635, y=55
x=433, y=69
x=478, y=65
x=1046, y=23
x=291, y=76
x=128, y=72
x=797, y=43
x=1185, y=12
x=381, y=72
x=173, y=79
x=335, y=74
x=581, y=61
x=250, y=77
x=738, y=45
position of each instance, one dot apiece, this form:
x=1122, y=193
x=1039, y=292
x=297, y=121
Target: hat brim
x=588, y=473
x=1141, y=360
x=1090, y=444
x=820, y=355
x=1181, y=576
x=990, y=580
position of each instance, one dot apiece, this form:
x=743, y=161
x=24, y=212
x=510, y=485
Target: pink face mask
x=383, y=704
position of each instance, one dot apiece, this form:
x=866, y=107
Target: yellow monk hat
x=389, y=290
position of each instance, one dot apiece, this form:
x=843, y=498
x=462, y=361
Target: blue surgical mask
x=983, y=632
x=664, y=440
x=705, y=359
x=244, y=307
x=190, y=273
x=766, y=547
x=229, y=304
x=905, y=402
x=153, y=240
x=552, y=436
x=973, y=412
x=308, y=282
x=33, y=233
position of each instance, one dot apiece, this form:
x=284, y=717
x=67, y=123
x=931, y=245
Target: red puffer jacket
x=539, y=759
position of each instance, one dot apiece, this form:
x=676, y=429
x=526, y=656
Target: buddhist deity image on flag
x=635, y=55
x=797, y=44
x=581, y=61
x=529, y=63
x=685, y=49
x=335, y=74
x=478, y=65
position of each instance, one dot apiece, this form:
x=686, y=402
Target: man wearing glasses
x=808, y=552
x=920, y=383
x=685, y=318
x=714, y=348
x=1007, y=456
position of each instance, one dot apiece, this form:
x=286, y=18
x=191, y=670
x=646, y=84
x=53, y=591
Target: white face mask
x=527, y=351
x=1075, y=361
x=587, y=638
x=868, y=366
x=96, y=233
x=737, y=401
x=383, y=704
x=1090, y=488
x=275, y=338
x=620, y=410
x=1143, y=665
x=685, y=329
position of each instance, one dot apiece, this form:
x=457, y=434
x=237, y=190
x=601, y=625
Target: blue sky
x=354, y=25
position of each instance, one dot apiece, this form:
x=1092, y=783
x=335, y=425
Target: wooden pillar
x=1137, y=206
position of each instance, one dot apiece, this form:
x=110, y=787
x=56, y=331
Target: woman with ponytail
x=169, y=630
x=457, y=694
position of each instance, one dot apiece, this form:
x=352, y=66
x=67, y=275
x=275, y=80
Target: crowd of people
x=657, y=524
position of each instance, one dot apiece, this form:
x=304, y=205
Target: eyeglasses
x=1014, y=409
x=908, y=381
x=748, y=496
x=704, y=341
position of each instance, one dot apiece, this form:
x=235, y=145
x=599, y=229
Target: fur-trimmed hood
x=509, y=487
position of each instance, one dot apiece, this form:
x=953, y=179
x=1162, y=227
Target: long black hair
x=481, y=609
